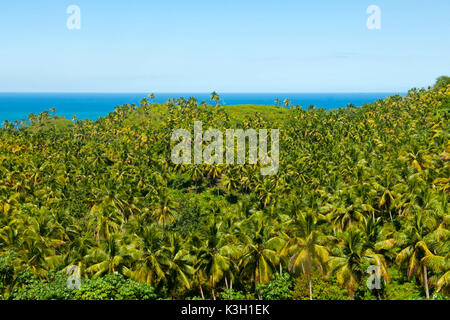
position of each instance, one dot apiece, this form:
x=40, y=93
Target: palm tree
x=215, y=97
x=415, y=242
x=440, y=264
x=287, y=103
x=148, y=256
x=214, y=258
x=277, y=102
x=309, y=253
x=164, y=208
x=262, y=246
x=108, y=256
x=348, y=264
x=32, y=118
x=178, y=264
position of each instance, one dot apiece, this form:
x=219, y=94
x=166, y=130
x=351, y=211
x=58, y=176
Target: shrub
x=442, y=82
x=6, y=273
x=29, y=287
x=114, y=287
x=279, y=288
x=323, y=289
x=231, y=294
x=399, y=288
x=54, y=287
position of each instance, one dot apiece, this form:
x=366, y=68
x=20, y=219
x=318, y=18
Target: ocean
x=17, y=106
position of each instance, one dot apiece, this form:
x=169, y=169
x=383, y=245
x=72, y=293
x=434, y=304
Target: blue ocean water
x=17, y=106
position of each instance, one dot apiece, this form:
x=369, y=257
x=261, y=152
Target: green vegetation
x=356, y=187
x=54, y=287
x=442, y=82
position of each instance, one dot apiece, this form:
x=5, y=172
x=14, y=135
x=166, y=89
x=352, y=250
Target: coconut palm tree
x=441, y=266
x=108, y=256
x=148, y=256
x=164, y=208
x=415, y=243
x=348, y=264
x=287, y=103
x=277, y=102
x=214, y=258
x=309, y=253
x=261, y=249
x=178, y=264
x=215, y=97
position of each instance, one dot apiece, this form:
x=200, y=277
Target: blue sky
x=226, y=45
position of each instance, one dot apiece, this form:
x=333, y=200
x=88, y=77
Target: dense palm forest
x=357, y=187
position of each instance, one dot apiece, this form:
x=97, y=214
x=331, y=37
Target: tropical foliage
x=356, y=187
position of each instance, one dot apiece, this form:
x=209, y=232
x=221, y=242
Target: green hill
x=356, y=187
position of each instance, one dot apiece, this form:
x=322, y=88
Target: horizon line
x=192, y=92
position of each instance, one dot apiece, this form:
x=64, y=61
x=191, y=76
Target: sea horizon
x=92, y=105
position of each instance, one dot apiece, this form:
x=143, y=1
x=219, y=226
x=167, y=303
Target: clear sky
x=226, y=45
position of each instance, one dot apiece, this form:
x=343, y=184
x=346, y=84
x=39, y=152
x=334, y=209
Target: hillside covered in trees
x=357, y=187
